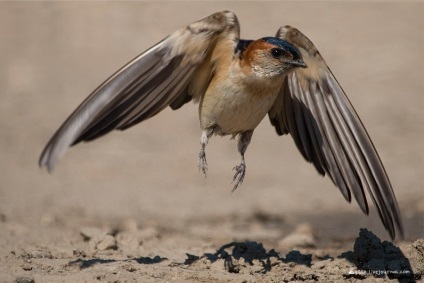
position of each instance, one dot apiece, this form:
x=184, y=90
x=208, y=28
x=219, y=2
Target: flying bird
x=237, y=83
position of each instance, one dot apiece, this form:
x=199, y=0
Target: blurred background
x=53, y=54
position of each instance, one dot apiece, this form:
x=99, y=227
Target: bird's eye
x=276, y=52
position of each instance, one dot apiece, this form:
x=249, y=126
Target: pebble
x=26, y=266
x=128, y=243
x=24, y=280
x=108, y=243
x=302, y=237
x=90, y=232
x=321, y=264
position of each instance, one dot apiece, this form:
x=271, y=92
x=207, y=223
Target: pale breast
x=234, y=107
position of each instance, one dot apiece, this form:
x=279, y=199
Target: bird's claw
x=239, y=176
x=202, y=164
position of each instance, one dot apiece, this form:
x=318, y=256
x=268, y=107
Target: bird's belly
x=232, y=112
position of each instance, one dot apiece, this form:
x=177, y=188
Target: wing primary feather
x=152, y=92
x=340, y=147
x=172, y=91
x=292, y=112
x=322, y=139
x=347, y=172
x=278, y=119
x=119, y=108
x=350, y=149
x=301, y=131
x=380, y=186
x=318, y=160
x=144, y=101
x=316, y=139
x=82, y=116
x=312, y=126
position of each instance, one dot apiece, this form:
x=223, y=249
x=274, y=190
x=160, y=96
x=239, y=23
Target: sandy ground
x=132, y=207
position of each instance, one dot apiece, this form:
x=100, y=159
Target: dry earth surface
x=132, y=206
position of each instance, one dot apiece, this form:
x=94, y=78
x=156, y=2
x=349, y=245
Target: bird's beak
x=297, y=63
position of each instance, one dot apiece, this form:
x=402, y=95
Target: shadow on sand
x=370, y=258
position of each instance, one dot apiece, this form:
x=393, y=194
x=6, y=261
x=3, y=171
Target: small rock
x=218, y=265
x=256, y=267
x=321, y=264
x=24, y=280
x=90, y=232
x=303, y=236
x=130, y=268
x=26, y=267
x=415, y=251
x=149, y=233
x=418, y=245
x=128, y=243
x=108, y=243
x=79, y=253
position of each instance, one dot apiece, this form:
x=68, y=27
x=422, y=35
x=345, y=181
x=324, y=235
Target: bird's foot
x=202, y=164
x=239, y=176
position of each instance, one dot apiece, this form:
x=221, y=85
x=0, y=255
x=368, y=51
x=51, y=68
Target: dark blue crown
x=283, y=45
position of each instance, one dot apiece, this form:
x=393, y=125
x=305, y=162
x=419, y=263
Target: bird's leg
x=243, y=143
x=206, y=134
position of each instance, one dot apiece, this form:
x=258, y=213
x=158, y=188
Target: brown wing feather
x=170, y=73
x=315, y=110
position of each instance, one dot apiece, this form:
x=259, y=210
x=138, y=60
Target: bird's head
x=270, y=57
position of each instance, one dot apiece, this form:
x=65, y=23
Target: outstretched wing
x=314, y=109
x=171, y=73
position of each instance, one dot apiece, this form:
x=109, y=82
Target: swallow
x=236, y=83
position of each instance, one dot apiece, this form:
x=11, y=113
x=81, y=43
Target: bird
x=236, y=83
